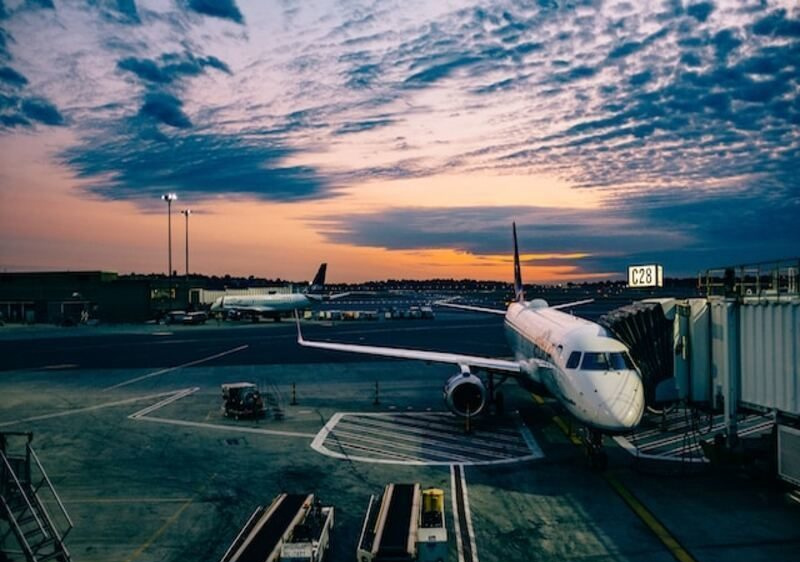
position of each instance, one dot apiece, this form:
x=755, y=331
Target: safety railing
x=774, y=280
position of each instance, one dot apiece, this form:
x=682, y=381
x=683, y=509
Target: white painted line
x=453, y=441
x=396, y=457
x=229, y=428
x=468, y=516
x=451, y=457
x=458, y=438
x=527, y=436
x=170, y=369
x=87, y=408
x=455, y=428
x=422, y=439
x=318, y=444
x=631, y=448
x=459, y=544
x=169, y=400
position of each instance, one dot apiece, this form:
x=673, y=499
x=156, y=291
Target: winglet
x=519, y=293
x=300, y=339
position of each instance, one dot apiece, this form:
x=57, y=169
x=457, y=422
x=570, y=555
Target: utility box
x=789, y=454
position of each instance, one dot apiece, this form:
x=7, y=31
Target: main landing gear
x=595, y=454
x=496, y=398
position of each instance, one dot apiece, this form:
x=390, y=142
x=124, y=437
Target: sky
x=399, y=139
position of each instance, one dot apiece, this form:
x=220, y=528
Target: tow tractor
x=242, y=399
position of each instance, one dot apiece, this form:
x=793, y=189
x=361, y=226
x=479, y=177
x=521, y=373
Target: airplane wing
x=470, y=307
x=571, y=304
x=503, y=366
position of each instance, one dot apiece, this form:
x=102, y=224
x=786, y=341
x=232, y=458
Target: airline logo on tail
x=318, y=284
x=519, y=293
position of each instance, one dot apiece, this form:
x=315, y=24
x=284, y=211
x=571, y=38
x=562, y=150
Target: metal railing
x=773, y=280
x=46, y=480
x=17, y=482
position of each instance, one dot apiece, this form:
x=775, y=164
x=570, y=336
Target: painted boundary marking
x=647, y=517
x=142, y=415
x=459, y=544
x=626, y=444
x=318, y=444
x=87, y=408
x=468, y=516
x=174, y=517
x=457, y=471
x=170, y=369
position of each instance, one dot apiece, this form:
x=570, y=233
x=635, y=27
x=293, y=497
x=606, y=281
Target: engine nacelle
x=465, y=394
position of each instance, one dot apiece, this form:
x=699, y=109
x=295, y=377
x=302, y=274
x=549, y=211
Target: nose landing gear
x=595, y=453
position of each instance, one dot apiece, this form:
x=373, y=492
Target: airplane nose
x=622, y=408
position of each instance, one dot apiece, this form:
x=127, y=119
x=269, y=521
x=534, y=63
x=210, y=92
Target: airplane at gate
x=276, y=305
x=576, y=361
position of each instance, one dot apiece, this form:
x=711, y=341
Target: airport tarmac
x=127, y=422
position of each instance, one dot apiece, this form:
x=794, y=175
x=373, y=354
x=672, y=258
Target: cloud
x=165, y=108
x=11, y=121
x=200, y=165
x=700, y=11
x=777, y=24
x=365, y=125
x=441, y=70
x=122, y=12
x=170, y=67
x=225, y=9
x=11, y=77
x=686, y=233
x=42, y=111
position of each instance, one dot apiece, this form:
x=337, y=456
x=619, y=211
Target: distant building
x=67, y=297
x=74, y=296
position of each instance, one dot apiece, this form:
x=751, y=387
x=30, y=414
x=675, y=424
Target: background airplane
x=574, y=360
x=277, y=305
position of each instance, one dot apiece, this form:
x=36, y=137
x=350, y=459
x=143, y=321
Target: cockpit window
x=606, y=361
x=574, y=360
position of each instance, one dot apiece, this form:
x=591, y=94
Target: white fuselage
x=263, y=304
x=592, y=375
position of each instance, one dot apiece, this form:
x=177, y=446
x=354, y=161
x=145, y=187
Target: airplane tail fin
x=318, y=284
x=519, y=293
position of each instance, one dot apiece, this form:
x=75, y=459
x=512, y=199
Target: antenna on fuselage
x=519, y=293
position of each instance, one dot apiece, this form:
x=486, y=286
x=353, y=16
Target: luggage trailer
x=404, y=525
x=293, y=527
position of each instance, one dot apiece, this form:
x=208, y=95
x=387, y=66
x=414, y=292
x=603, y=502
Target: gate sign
x=645, y=276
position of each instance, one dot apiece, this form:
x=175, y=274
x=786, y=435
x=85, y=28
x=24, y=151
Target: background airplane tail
x=519, y=293
x=318, y=284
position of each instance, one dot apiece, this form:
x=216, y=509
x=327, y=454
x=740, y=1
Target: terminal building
x=70, y=297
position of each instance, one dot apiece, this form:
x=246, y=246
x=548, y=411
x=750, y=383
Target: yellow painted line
x=647, y=517
x=138, y=552
x=562, y=425
x=672, y=544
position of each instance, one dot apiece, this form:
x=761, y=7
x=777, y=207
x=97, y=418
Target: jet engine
x=465, y=394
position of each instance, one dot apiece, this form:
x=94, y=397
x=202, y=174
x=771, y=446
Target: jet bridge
x=736, y=351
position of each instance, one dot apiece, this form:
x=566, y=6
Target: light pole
x=186, y=213
x=169, y=198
